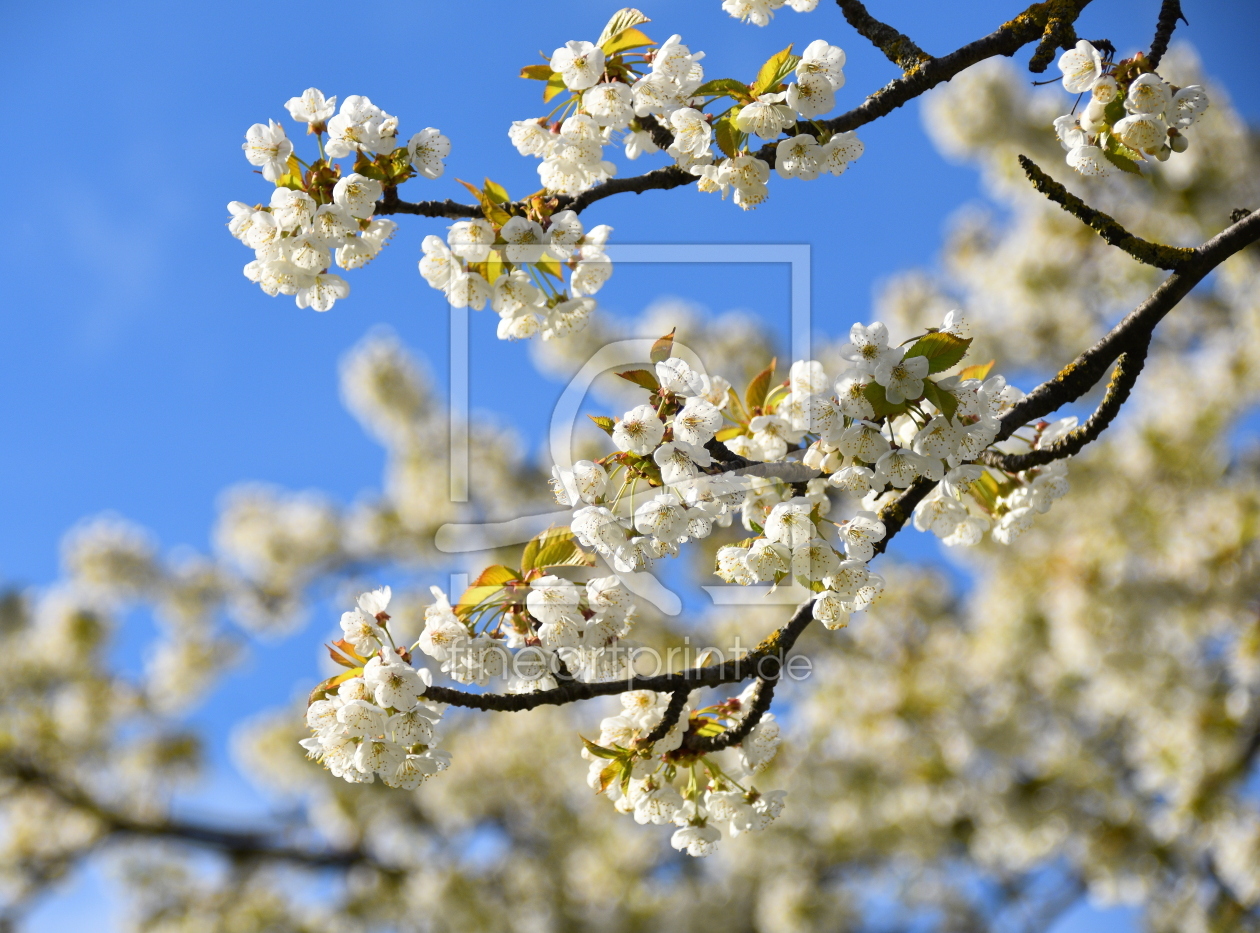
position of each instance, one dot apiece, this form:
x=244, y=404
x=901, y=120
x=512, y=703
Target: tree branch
x=1079, y=376
x=669, y=718
x=1107, y=227
x=1169, y=13
x=235, y=844
x=659, y=179
x=1123, y=378
x=390, y=203
x=898, y=49
x=708, y=744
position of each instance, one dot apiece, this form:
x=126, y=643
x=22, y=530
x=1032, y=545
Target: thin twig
x=1107, y=227
x=899, y=49
x=1079, y=376
x=1123, y=378
x=708, y=744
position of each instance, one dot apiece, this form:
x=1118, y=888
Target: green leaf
x=1121, y=156
x=473, y=597
x=978, y=371
x=1114, y=112
x=641, y=377
x=495, y=193
x=943, y=351
x=755, y=395
x=537, y=72
x=625, y=18
x=555, y=84
x=874, y=393
x=729, y=138
x=725, y=87
x=626, y=39
x=663, y=349
x=293, y=177
x=598, y=750
x=604, y=423
x=946, y=403
x=555, y=547
x=733, y=430
x=551, y=266
x=777, y=67
x=497, y=575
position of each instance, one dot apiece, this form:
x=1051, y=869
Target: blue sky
x=141, y=373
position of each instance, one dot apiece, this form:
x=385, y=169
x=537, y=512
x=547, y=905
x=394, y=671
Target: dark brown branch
x=708, y=744
x=897, y=512
x=390, y=203
x=669, y=718
x=766, y=656
x=1007, y=39
x=238, y=845
x=1123, y=378
x=1079, y=376
x=1107, y=227
x=659, y=179
x=1169, y=13
x=898, y=49
x=1048, y=21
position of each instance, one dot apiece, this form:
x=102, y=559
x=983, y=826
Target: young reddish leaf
x=343, y=653
x=641, y=377
x=759, y=387
x=329, y=685
x=663, y=348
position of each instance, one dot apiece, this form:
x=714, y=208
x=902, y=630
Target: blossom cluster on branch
x=316, y=213
x=1133, y=114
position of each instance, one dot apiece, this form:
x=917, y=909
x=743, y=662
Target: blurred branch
x=1107, y=227
x=237, y=845
x=1123, y=378
x=898, y=49
x=1133, y=331
x=1169, y=13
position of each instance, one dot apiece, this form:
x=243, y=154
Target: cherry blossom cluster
x=528, y=624
x=1133, y=114
x=762, y=11
x=517, y=263
x=649, y=497
x=642, y=778
x=613, y=90
x=871, y=432
x=316, y=214
x=370, y=720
